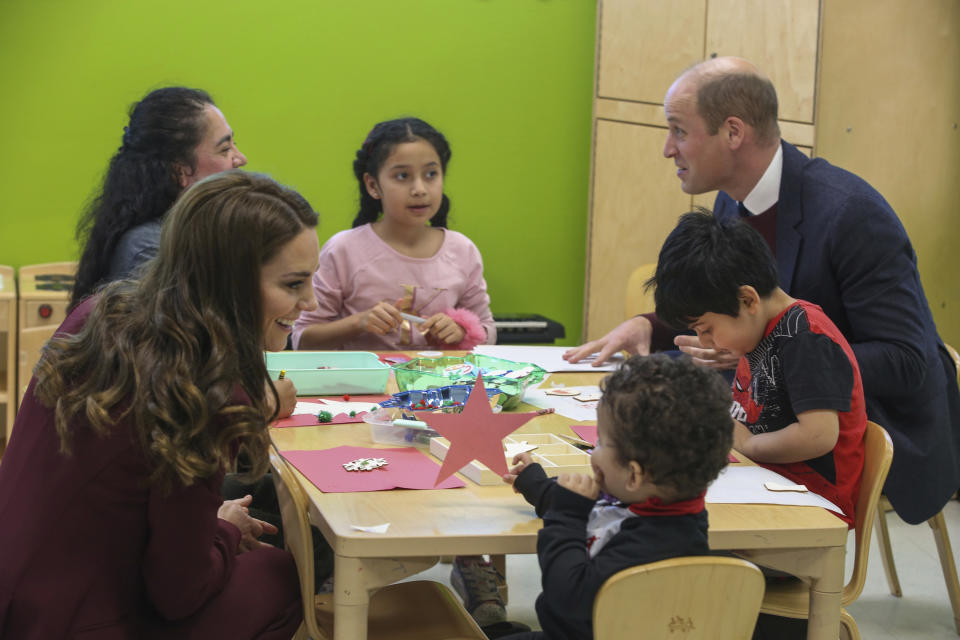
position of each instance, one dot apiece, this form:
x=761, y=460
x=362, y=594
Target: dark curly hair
x=142, y=181
x=670, y=416
x=377, y=148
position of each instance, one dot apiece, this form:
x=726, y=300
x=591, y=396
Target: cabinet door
x=645, y=44
x=636, y=202
x=780, y=37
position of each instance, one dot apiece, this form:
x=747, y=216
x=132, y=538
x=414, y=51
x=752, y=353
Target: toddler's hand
x=440, y=329
x=579, y=483
x=520, y=462
x=380, y=320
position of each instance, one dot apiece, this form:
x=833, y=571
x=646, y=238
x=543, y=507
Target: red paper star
x=475, y=434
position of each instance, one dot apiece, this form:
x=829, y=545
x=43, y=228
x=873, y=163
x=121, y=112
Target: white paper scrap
x=516, y=448
x=743, y=484
x=567, y=406
x=380, y=528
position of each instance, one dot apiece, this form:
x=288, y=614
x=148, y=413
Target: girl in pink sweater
x=392, y=261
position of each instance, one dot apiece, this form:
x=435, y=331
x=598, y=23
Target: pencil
x=283, y=372
x=412, y=318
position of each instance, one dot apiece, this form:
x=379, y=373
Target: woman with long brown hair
x=111, y=520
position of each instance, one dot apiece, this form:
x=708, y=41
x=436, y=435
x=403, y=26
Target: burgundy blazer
x=87, y=546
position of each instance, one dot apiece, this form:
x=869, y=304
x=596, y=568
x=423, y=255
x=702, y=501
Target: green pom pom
x=325, y=416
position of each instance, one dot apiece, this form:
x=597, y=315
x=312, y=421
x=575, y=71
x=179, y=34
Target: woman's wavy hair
x=377, y=148
x=172, y=352
x=142, y=180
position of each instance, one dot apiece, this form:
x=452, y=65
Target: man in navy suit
x=839, y=245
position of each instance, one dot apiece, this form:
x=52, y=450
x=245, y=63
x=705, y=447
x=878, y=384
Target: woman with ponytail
x=175, y=137
x=399, y=256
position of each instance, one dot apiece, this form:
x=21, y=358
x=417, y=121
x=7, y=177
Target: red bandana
x=655, y=507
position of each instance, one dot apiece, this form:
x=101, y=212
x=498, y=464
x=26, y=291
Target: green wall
x=301, y=82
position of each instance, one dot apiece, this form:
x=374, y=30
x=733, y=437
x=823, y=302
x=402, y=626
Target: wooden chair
x=637, y=300
x=940, y=536
x=692, y=598
x=791, y=599
x=421, y=610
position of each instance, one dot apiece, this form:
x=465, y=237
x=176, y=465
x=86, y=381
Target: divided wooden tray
x=555, y=455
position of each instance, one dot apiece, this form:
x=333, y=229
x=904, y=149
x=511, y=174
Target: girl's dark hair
x=142, y=180
x=170, y=353
x=377, y=148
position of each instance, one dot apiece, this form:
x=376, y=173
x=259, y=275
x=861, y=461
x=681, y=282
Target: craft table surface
x=806, y=541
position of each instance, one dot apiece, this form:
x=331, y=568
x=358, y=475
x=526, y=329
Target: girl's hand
x=520, y=461
x=380, y=320
x=236, y=513
x=440, y=329
x=579, y=483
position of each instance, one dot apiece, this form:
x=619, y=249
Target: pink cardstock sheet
x=586, y=432
x=406, y=468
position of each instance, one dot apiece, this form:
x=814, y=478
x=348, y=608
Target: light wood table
x=806, y=541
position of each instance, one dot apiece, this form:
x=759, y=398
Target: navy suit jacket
x=842, y=247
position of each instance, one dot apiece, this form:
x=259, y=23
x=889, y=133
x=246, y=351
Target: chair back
x=876, y=463
x=690, y=598
x=296, y=534
x=956, y=359
x=636, y=299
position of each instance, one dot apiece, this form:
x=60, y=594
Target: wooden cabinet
x=642, y=46
x=44, y=296
x=8, y=347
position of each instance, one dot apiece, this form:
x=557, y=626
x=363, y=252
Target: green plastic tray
x=344, y=372
x=428, y=373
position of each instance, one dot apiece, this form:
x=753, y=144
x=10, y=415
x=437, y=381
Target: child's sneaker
x=476, y=582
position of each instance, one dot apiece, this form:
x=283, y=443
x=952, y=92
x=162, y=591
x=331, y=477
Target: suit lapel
x=789, y=214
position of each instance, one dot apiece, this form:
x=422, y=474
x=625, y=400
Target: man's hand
x=710, y=358
x=632, y=336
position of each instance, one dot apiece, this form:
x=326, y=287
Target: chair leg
x=500, y=563
x=302, y=633
x=848, y=626
x=886, y=553
x=939, y=527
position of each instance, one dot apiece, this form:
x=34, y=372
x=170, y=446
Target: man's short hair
x=747, y=96
x=702, y=265
x=672, y=417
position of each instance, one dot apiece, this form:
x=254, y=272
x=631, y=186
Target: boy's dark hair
x=672, y=417
x=702, y=265
x=377, y=148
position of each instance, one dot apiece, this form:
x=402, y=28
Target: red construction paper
x=309, y=420
x=586, y=432
x=407, y=468
x=476, y=433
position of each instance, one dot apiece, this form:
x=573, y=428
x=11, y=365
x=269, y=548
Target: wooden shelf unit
x=8, y=349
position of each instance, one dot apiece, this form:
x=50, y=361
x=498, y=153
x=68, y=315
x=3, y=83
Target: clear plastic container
x=326, y=373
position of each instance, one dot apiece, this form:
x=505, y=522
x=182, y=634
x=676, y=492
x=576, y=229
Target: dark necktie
x=744, y=212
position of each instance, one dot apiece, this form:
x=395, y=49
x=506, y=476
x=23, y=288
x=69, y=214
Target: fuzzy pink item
x=474, y=332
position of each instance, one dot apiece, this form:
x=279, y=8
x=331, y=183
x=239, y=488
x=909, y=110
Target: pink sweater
x=358, y=269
